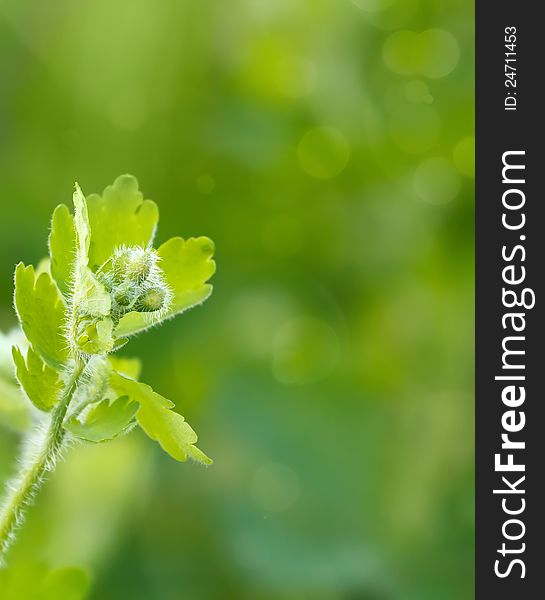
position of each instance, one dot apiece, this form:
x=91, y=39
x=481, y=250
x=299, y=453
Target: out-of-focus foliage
x=36, y=581
x=326, y=147
x=15, y=410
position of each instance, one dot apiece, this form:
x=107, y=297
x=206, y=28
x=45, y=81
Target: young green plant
x=102, y=284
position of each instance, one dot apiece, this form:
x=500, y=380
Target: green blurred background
x=327, y=148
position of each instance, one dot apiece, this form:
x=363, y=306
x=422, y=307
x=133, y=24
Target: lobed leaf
x=41, y=312
x=62, y=243
x=90, y=296
x=40, y=382
x=187, y=265
x=130, y=367
x=95, y=385
x=92, y=327
x=95, y=335
x=81, y=227
x=104, y=421
x=15, y=337
x=159, y=422
x=44, y=266
x=119, y=217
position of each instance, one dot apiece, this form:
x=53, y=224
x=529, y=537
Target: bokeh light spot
x=439, y=53
x=417, y=92
x=253, y=320
x=464, y=156
x=434, y=53
x=389, y=15
x=305, y=351
x=275, y=487
x=437, y=181
x=323, y=152
x=398, y=52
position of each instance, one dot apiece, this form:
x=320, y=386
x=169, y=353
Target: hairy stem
x=33, y=471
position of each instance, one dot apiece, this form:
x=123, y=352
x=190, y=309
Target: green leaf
x=104, y=421
x=96, y=383
x=119, y=217
x=90, y=296
x=44, y=266
x=94, y=335
x=130, y=367
x=160, y=423
x=41, y=312
x=187, y=265
x=40, y=382
x=82, y=227
x=93, y=386
x=62, y=242
x=92, y=327
x=15, y=337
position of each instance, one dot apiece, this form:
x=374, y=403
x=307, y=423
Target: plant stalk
x=25, y=486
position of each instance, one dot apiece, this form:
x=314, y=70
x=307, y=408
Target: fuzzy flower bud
x=135, y=281
x=133, y=264
x=123, y=295
x=151, y=300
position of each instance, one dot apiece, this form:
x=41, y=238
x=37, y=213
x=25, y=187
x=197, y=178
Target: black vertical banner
x=510, y=268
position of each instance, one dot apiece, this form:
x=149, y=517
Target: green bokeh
x=326, y=147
